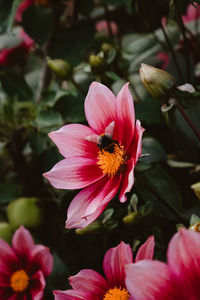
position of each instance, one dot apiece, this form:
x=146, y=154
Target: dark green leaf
x=152, y=147
x=38, y=23
x=9, y=190
x=48, y=120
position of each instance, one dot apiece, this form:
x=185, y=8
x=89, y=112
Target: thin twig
x=172, y=53
x=186, y=46
x=167, y=204
x=176, y=103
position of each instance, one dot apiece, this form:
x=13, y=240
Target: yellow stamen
x=195, y=227
x=116, y=294
x=111, y=163
x=19, y=281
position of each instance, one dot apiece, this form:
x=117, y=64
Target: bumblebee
x=106, y=143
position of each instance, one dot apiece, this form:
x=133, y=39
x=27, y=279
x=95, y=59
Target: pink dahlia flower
x=177, y=280
x=22, y=7
x=100, y=158
x=23, y=267
x=90, y=285
x=192, y=13
x=103, y=26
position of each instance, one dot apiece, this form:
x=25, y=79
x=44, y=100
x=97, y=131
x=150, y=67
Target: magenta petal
x=70, y=140
x=146, y=251
x=113, y=264
x=99, y=107
x=8, y=259
x=22, y=242
x=127, y=181
x=42, y=259
x=151, y=280
x=125, y=117
x=71, y=295
x=37, y=285
x=74, y=173
x=184, y=260
x=90, y=202
x=135, y=148
x=4, y=279
x=90, y=282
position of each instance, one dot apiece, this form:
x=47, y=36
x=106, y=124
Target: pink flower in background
x=193, y=12
x=177, y=280
x=17, y=53
x=88, y=284
x=164, y=58
x=22, y=7
x=23, y=267
x=100, y=158
x=103, y=26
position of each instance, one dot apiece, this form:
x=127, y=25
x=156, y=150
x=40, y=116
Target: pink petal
x=146, y=251
x=22, y=7
x=151, y=280
x=37, y=285
x=74, y=173
x=42, y=259
x=125, y=117
x=8, y=259
x=70, y=140
x=127, y=181
x=99, y=107
x=22, y=242
x=113, y=264
x=71, y=295
x=90, y=202
x=184, y=260
x=135, y=148
x=90, y=282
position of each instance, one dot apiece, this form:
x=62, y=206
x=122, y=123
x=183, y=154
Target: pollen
x=112, y=162
x=19, y=281
x=116, y=294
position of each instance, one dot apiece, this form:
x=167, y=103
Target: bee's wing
x=93, y=138
x=110, y=128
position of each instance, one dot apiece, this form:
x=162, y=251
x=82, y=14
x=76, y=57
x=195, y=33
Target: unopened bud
x=157, y=82
x=132, y=217
x=195, y=227
x=25, y=211
x=196, y=189
x=98, y=65
x=106, y=47
x=60, y=68
x=91, y=228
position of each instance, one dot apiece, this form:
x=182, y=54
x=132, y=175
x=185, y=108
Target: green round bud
x=106, y=47
x=91, y=228
x=24, y=211
x=6, y=232
x=98, y=65
x=60, y=68
x=132, y=217
x=157, y=82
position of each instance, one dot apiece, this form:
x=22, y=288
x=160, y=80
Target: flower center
x=116, y=294
x=19, y=281
x=112, y=159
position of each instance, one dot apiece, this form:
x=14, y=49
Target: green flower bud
x=105, y=47
x=60, y=68
x=25, y=211
x=157, y=82
x=132, y=217
x=6, y=232
x=98, y=65
x=91, y=228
